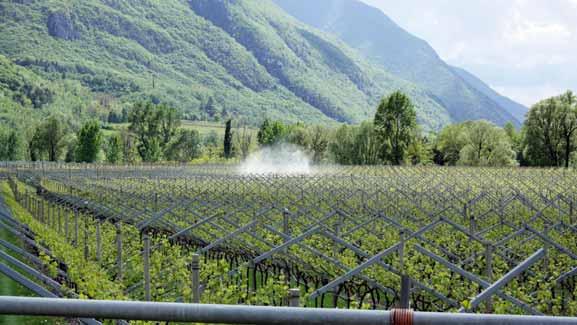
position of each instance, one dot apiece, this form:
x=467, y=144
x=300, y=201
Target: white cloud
x=530, y=95
x=527, y=48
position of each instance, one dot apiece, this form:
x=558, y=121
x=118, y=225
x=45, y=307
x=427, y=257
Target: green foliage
x=48, y=140
x=395, y=124
x=23, y=86
x=185, y=147
x=89, y=142
x=91, y=280
x=11, y=146
x=313, y=139
x=551, y=131
x=478, y=143
x=114, y=152
x=356, y=145
x=185, y=54
x=419, y=151
x=271, y=132
x=450, y=142
x=154, y=127
x=243, y=141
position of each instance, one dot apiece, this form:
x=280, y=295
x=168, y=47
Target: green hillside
x=516, y=109
x=384, y=43
x=248, y=57
x=26, y=96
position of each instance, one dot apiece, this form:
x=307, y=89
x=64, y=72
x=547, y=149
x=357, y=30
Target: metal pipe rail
x=237, y=314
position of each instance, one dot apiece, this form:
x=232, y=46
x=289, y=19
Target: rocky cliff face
x=60, y=25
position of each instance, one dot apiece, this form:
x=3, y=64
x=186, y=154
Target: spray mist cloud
x=282, y=159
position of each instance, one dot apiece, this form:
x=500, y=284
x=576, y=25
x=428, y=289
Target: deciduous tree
x=89, y=141
x=395, y=122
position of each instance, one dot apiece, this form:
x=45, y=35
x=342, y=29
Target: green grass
x=8, y=287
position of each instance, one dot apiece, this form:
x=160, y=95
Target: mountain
x=516, y=109
x=383, y=42
x=25, y=95
x=247, y=58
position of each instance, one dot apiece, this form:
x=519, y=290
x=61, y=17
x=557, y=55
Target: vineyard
x=455, y=239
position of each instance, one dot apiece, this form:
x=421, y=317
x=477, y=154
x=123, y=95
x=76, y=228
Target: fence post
x=118, y=251
x=67, y=226
x=146, y=261
x=53, y=216
x=60, y=219
x=405, y=298
x=286, y=222
x=98, y=242
x=473, y=227
x=489, y=273
x=76, y=216
x=42, y=216
x=405, y=301
x=571, y=221
x=49, y=214
x=86, y=251
x=251, y=277
x=195, y=277
x=294, y=297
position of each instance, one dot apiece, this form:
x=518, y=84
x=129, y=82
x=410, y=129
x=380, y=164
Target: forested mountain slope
x=383, y=42
x=206, y=57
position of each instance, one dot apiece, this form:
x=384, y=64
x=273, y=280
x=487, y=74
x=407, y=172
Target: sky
x=524, y=49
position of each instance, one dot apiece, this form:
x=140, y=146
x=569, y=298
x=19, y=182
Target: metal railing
x=237, y=314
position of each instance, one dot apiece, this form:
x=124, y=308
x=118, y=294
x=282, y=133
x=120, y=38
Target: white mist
x=281, y=159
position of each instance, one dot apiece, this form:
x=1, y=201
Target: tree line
x=154, y=133
x=548, y=138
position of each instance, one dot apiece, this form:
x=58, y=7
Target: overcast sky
x=525, y=49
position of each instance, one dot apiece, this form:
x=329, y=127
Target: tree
x=451, y=140
x=169, y=123
x=35, y=146
x=244, y=141
x=89, y=141
x=299, y=136
x=114, y=149
x=356, y=145
x=516, y=140
x=550, y=131
x=70, y=152
x=185, y=147
x=475, y=143
x=395, y=123
x=53, y=133
x=47, y=140
x=568, y=115
x=419, y=151
x=319, y=142
x=228, y=140
x=10, y=146
x=271, y=133
x=210, y=108
x=129, y=147
x=154, y=127
x=113, y=117
x=366, y=146
x=341, y=146
x=486, y=145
